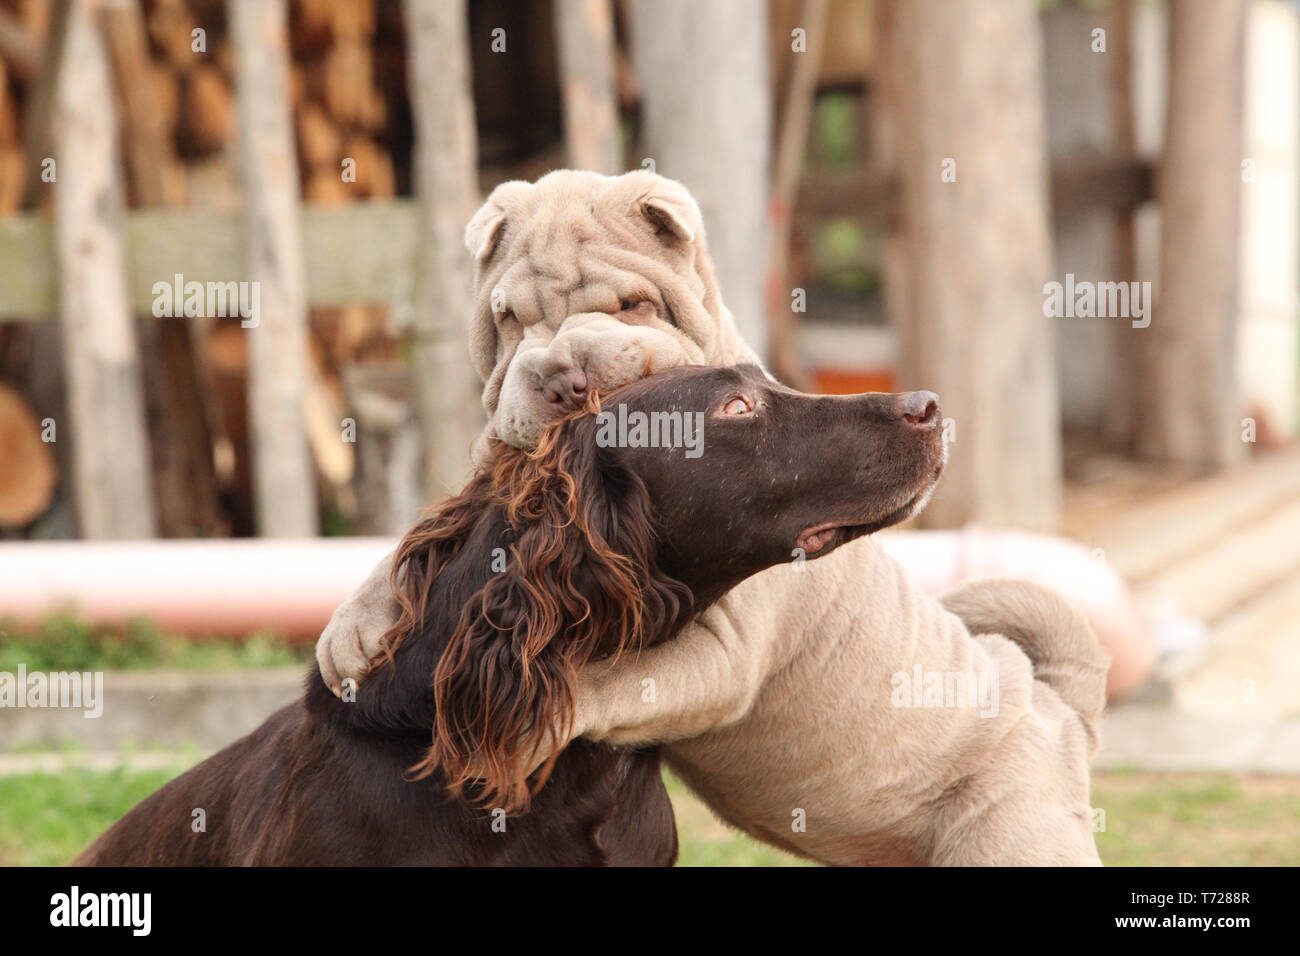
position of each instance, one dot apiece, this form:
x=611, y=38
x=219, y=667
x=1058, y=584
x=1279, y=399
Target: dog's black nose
x=920, y=409
x=567, y=388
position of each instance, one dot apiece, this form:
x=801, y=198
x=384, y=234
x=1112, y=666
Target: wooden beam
x=360, y=252
x=284, y=482
x=870, y=195
x=112, y=470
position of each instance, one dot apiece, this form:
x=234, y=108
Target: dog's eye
x=627, y=305
x=737, y=406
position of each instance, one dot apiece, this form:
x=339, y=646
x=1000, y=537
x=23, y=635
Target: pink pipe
x=234, y=587
x=201, y=587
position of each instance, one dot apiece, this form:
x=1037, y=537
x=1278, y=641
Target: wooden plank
x=361, y=253
x=870, y=195
x=29, y=271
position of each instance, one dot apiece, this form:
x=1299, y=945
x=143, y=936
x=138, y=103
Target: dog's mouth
x=826, y=537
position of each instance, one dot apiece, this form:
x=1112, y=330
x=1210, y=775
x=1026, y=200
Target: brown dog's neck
x=397, y=695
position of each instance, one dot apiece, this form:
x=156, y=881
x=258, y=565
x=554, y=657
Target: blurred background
x=1078, y=222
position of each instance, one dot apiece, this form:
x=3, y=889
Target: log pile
x=346, y=95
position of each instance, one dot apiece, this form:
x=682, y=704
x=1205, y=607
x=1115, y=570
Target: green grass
x=47, y=819
x=1151, y=819
x=63, y=642
x=704, y=840
x=1205, y=820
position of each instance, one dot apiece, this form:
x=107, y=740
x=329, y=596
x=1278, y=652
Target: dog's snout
x=920, y=409
x=567, y=388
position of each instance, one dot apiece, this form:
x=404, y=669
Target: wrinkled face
x=592, y=353
x=584, y=282
x=745, y=473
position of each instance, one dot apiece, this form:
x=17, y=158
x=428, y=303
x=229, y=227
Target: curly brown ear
x=580, y=582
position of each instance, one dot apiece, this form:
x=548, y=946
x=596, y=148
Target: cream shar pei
x=830, y=708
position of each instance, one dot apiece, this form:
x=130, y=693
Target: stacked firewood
x=347, y=96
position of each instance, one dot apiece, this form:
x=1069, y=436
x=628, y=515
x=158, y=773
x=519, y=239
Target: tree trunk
x=966, y=96
x=706, y=113
x=284, y=482
x=446, y=151
x=1189, y=409
x=585, y=33
x=106, y=403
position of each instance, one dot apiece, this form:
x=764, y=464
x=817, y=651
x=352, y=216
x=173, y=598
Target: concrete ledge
x=1177, y=741
x=204, y=709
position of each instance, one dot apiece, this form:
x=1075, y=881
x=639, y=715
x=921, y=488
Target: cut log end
x=27, y=470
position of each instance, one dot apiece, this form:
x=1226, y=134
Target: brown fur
x=564, y=580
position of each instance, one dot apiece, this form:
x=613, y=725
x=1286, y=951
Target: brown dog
x=614, y=543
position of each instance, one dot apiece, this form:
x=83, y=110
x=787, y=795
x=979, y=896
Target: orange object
x=835, y=381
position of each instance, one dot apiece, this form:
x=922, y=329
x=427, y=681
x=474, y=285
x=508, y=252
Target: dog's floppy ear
x=484, y=230
x=579, y=581
x=670, y=208
x=487, y=226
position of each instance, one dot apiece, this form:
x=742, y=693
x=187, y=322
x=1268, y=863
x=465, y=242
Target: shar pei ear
x=487, y=226
x=671, y=209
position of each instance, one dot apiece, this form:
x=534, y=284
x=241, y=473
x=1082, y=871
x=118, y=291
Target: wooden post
x=37, y=112
x=446, y=158
x=111, y=471
x=1122, y=411
x=706, y=113
x=176, y=393
x=1189, y=405
x=965, y=89
x=284, y=482
x=792, y=143
x=585, y=33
